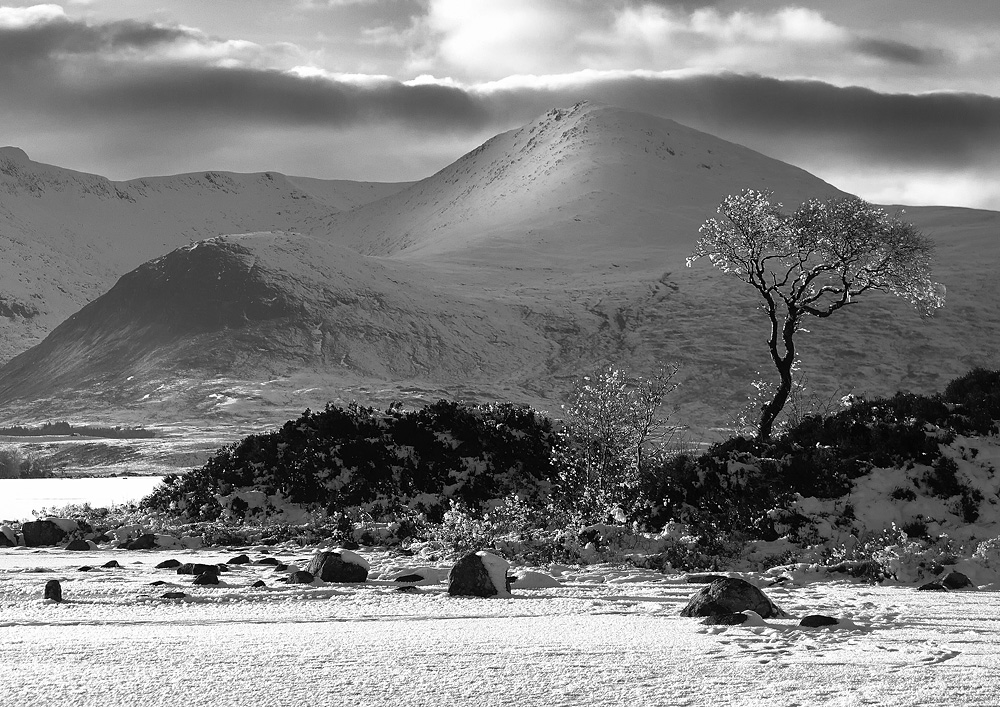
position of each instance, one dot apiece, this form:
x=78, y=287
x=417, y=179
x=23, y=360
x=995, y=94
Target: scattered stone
x=818, y=620
x=197, y=568
x=725, y=620
x=53, y=590
x=280, y=567
x=301, y=577
x=146, y=541
x=259, y=583
x=409, y=578
x=410, y=589
x=85, y=568
x=173, y=595
x=239, y=560
x=730, y=595
x=78, y=544
x=703, y=578
x=168, y=564
x=157, y=583
x=936, y=586
x=957, y=580
x=479, y=574
x=111, y=564
x=267, y=561
x=42, y=532
x=338, y=566
x=206, y=578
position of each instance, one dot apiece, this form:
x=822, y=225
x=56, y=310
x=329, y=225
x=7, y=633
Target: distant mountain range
x=541, y=255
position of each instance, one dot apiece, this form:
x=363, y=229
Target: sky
x=897, y=101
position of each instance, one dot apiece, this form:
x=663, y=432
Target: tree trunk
x=784, y=363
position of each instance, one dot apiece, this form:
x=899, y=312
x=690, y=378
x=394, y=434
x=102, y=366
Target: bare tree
x=819, y=259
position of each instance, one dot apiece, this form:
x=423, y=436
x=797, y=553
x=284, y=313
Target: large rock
x=730, y=595
x=78, y=544
x=146, y=541
x=338, y=566
x=53, y=590
x=42, y=532
x=479, y=574
x=197, y=568
x=8, y=538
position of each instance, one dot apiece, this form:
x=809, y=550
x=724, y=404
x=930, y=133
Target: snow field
x=607, y=636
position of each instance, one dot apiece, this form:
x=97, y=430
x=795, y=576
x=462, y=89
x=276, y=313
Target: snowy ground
x=606, y=636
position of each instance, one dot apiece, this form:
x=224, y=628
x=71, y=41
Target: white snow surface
x=607, y=636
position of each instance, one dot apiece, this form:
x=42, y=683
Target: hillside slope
x=66, y=236
x=542, y=255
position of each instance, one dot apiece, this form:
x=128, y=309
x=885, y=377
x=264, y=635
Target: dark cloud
x=898, y=52
x=47, y=41
x=242, y=95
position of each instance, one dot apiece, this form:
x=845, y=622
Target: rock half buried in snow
x=817, y=621
x=338, y=566
x=53, y=590
x=725, y=620
x=42, y=532
x=479, y=574
x=77, y=544
x=730, y=595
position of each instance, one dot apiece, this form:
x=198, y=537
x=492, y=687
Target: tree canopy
x=819, y=259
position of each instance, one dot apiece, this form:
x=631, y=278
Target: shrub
x=358, y=457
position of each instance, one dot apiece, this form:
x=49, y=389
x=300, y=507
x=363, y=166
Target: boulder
x=267, y=561
x=479, y=574
x=338, y=566
x=53, y=590
x=111, y=564
x=42, y=532
x=146, y=541
x=725, y=620
x=818, y=620
x=936, y=586
x=85, y=568
x=206, y=578
x=730, y=595
x=197, y=568
x=8, y=538
x=173, y=595
x=300, y=577
x=78, y=544
x=168, y=564
x=259, y=583
x=957, y=580
x=239, y=560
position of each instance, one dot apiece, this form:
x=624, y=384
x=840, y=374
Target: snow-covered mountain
x=591, y=180
x=66, y=236
x=543, y=254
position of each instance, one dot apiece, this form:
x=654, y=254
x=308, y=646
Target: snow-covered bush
x=382, y=461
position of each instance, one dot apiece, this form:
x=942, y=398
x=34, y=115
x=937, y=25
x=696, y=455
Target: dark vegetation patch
x=440, y=471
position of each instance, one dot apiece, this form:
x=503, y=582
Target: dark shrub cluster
x=731, y=490
x=357, y=456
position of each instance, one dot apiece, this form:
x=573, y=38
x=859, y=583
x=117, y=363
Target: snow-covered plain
x=606, y=636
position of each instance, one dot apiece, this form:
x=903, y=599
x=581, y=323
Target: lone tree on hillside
x=813, y=262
